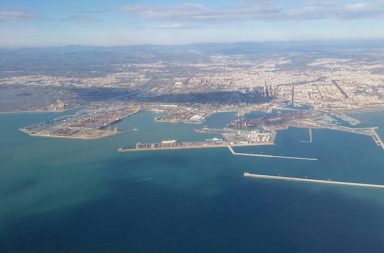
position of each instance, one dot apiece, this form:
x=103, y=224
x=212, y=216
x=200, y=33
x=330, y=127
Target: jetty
x=270, y=156
x=307, y=180
x=310, y=134
x=310, y=138
x=377, y=139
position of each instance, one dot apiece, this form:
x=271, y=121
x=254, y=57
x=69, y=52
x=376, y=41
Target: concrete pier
x=377, y=139
x=295, y=179
x=271, y=156
x=310, y=134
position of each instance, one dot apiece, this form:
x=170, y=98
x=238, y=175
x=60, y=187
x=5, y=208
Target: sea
x=60, y=195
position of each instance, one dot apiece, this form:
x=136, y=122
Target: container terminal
x=230, y=137
x=208, y=143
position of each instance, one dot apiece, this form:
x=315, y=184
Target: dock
x=270, y=156
x=377, y=139
x=214, y=143
x=310, y=134
x=307, y=180
x=178, y=146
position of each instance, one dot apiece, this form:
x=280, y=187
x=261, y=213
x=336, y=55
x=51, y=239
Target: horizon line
x=321, y=41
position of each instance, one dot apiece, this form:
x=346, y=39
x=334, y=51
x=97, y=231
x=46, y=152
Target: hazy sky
x=118, y=22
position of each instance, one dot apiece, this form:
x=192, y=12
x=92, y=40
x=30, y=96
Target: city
x=199, y=126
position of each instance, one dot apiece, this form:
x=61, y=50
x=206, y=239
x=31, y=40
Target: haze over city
x=117, y=22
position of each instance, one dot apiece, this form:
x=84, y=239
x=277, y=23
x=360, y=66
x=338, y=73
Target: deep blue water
x=61, y=195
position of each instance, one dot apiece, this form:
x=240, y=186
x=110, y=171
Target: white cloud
x=171, y=26
x=258, y=10
x=82, y=18
x=6, y=15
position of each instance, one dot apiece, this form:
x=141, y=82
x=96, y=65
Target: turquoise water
x=61, y=195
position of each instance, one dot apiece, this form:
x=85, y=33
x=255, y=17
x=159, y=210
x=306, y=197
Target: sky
x=118, y=22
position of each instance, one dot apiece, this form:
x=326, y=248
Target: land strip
x=270, y=156
x=307, y=180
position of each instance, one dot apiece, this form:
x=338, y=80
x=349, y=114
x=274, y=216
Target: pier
x=270, y=156
x=177, y=146
x=377, y=139
x=210, y=143
x=310, y=134
x=307, y=180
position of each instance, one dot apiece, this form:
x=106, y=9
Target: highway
x=295, y=179
x=270, y=156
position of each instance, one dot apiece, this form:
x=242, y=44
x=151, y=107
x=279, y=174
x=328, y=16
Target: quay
x=310, y=134
x=174, y=145
x=295, y=179
x=377, y=139
x=180, y=145
x=271, y=156
x=212, y=143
